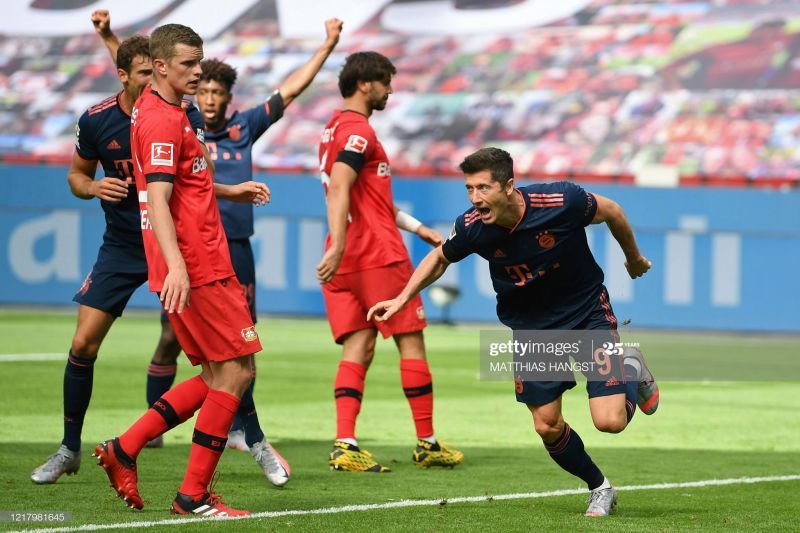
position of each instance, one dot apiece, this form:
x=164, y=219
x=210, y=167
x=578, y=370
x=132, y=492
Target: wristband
x=406, y=221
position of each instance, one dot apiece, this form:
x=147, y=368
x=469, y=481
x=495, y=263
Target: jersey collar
x=163, y=99
x=524, y=210
x=119, y=103
x=221, y=128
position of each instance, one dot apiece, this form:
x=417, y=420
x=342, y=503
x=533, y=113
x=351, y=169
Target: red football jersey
x=163, y=142
x=373, y=239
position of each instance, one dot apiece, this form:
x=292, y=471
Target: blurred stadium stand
x=709, y=88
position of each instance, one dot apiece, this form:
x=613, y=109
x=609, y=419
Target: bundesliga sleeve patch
x=452, y=232
x=162, y=154
x=356, y=143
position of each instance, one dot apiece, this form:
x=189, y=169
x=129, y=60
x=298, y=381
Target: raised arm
x=611, y=213
x=429, y=270
x=101, y=19
x=302, y=77
x=343, y=176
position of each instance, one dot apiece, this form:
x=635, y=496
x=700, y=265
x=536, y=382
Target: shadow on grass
x=485, y=471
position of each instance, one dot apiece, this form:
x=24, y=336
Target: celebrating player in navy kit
x=545, y=277
x=103, y=135
x=230, y=142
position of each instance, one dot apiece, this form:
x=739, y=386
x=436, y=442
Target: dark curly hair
x=364, y=66
x=131, y=47
x=219, y=71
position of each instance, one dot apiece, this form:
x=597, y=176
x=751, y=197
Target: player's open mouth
x=484, y=211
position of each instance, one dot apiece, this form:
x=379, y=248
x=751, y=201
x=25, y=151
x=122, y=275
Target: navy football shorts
x=543, y=392
x=244, y=266
x=107, y=290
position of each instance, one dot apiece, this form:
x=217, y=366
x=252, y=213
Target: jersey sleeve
x=579, y=204
x=85, y=143
x=458, y=245
x=260, y=118
x=196, y=121
x=355, y=143
x=159, y=143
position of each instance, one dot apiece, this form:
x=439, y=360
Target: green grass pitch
x=703, y=430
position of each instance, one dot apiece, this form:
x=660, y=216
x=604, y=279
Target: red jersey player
x=365, y=259
x=187, y=253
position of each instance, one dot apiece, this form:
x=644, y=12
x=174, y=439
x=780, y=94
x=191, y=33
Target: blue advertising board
x=722, y=258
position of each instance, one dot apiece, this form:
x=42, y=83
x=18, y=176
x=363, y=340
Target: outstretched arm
x=412, y=225
x=101, y=19
x=246, y=192
x=611, y=213
x=302, y=77
x=429, y=270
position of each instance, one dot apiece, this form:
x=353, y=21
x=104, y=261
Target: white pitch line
x=25, y=357
x=417, y=503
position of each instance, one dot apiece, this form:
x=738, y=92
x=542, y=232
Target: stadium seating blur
x=708, y=87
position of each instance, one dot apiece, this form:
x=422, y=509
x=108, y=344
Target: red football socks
x=175, y=406
x=208, y=441
x=348, y=389
x=415, y=377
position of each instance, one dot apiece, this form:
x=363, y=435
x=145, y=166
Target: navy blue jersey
x=103, y=134
x=542, y=270
x=231, y=150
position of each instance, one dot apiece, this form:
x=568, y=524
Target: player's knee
x=611, y=424
x=548, y=428
x=367, y=356
x=85, y=346
x=246, y=375
x=411, y=345
x=168, y=348
x=168, y=338
x=162, y=357
x=359, y=347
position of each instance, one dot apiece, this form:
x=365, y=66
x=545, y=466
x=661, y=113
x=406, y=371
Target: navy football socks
x=568, y=452
x=249, y=417
x=78, y=380
x=160, y=378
